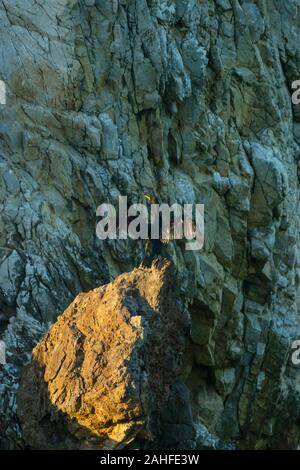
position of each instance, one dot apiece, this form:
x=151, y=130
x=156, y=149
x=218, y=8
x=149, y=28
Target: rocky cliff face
x=190, y=99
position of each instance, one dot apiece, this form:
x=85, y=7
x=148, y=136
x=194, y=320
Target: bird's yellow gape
x=152, y=199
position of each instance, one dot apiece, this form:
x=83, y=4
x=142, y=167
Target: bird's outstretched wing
x=175, y=230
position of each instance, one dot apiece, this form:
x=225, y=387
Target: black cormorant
x=154, y=247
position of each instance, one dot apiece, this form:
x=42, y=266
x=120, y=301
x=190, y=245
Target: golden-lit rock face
x=103, y=372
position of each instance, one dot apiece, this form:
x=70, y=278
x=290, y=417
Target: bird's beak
x=147, y=197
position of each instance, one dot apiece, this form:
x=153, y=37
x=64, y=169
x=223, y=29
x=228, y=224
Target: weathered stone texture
x=188, y=98
x=103, y=374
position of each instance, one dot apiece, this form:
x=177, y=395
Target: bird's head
x=151, y=198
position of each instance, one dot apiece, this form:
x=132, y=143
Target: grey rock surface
x=187, y=99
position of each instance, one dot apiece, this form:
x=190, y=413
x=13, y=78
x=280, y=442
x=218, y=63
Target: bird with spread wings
x=166, y=232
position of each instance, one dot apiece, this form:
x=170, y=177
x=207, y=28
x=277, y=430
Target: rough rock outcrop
x=103, y=374
x=187, y=98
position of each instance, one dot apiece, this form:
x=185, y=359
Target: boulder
x=94, y=379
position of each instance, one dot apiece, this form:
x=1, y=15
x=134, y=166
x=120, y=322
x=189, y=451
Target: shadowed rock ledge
x=103, y=373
